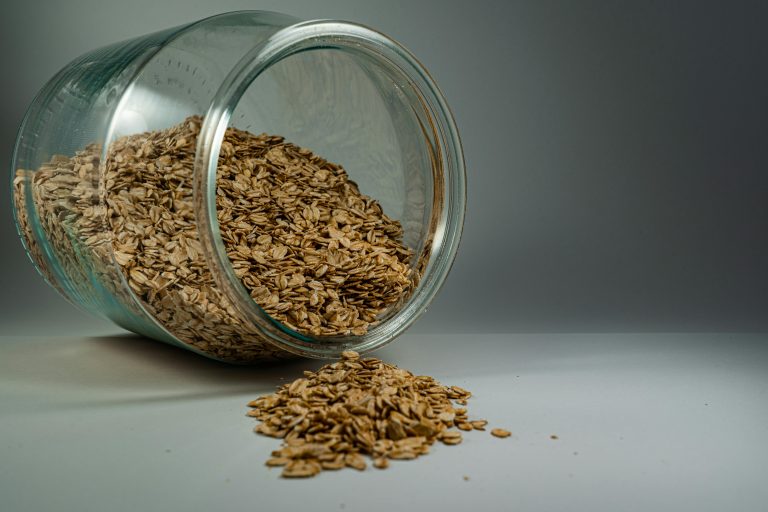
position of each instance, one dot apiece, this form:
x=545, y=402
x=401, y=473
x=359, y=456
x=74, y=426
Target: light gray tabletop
x=644, y=422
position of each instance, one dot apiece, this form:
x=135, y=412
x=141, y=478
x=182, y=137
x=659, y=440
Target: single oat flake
x=500, y=432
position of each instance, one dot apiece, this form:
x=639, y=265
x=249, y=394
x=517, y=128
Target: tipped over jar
x=248, y=186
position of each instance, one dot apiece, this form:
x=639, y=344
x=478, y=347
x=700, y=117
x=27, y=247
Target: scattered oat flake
x=500, y=432
x=478, y=424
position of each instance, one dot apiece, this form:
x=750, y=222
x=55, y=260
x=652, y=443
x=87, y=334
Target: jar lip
x=446, y=229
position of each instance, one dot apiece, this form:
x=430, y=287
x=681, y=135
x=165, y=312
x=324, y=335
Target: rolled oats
x=358, y=407
x=500, y=432
x=313, y=251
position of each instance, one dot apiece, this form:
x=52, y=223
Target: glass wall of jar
x=115, y=174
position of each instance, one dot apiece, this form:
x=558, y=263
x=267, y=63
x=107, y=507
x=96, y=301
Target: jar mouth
x=441, y=142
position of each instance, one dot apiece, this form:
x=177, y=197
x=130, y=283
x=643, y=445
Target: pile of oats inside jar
x=314, y=252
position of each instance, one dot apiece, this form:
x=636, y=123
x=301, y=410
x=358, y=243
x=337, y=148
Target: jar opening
x=358, y=99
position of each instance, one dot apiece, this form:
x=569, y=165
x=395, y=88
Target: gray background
x=616, y=153
x=617, y=169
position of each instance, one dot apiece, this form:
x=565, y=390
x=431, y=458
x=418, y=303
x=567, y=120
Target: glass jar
x=347, y=92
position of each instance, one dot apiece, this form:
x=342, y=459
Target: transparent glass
x=345, y=91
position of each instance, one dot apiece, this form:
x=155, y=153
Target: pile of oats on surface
x=332, y=418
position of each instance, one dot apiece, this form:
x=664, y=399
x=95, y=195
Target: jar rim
x=449, y=201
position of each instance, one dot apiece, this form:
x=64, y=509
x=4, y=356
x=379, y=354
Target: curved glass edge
x=448, y=170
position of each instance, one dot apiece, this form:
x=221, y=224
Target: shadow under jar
x=119, y=201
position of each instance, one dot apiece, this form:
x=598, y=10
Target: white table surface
x=646, y=422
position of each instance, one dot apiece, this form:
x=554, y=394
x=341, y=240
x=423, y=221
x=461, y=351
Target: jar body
x=251, y=70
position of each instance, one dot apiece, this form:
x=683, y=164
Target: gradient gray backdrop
x=616, y=151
